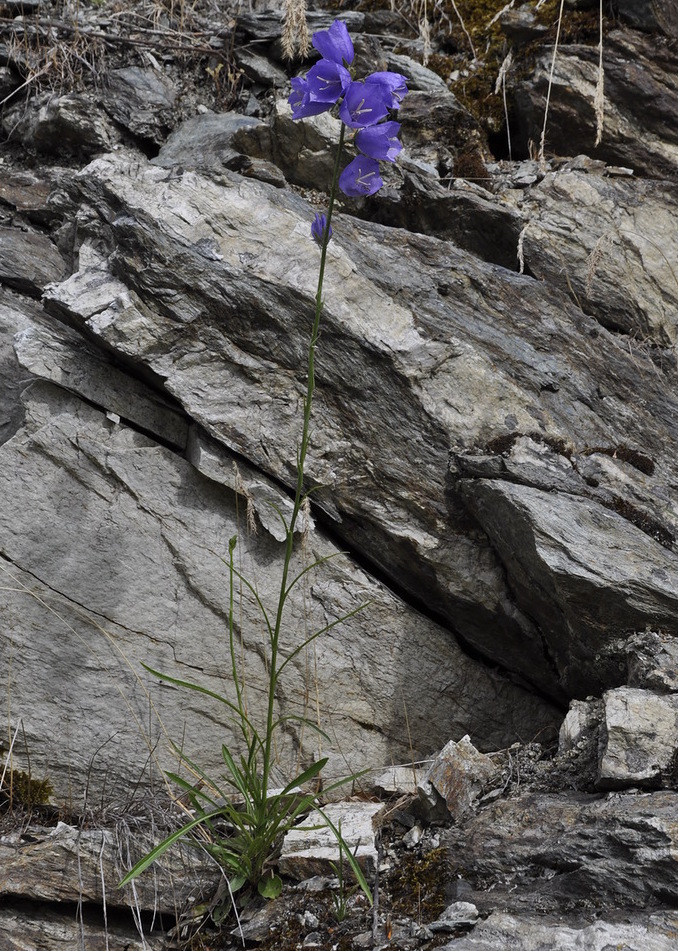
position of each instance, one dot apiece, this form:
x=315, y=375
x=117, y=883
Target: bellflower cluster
x=364, y=105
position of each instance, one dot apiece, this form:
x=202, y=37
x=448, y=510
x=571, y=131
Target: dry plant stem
x=599, y=97
x=466, y=32
x=548, y=91
x=303, y=449
x=8, y=758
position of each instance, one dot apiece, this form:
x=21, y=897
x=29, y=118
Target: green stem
x=231, y=638
x=301, y=458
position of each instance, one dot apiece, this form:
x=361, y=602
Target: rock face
x=633, y=836
x=640, y=102
x=493, y=443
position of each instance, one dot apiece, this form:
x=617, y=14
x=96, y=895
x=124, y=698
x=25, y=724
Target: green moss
x=418, y=886
x=20, y=790
x=477, y=78
x=578, y=26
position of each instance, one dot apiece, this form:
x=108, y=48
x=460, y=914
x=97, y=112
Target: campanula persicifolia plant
x=240, y=818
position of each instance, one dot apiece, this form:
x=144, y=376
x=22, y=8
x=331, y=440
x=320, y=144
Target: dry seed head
x=250, y=511
x=425, y=34
x=295, y=36
x=305, y=520
x=503, y=72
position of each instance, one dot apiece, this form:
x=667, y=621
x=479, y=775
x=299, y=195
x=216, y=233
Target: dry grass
x=76, y=49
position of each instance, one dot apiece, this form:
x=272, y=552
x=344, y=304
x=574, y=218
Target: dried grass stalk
x=599, y=97
x=296, y=40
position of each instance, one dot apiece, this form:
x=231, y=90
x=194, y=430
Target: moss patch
x=20, y=790
x=418, y=887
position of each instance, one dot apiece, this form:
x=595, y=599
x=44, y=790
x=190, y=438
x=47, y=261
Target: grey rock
x=564, y=851
x=144, y=580
x=65, y=865
x=28, y=193
x=639, y=738
x=256, y=926
x=141, y=101
x=260, y=69
x=23, y=6
x=57, y=353
x=584, y=570
x=652, y=659
x=460, y=774
x=460, y=914
x=9, y=83
x=309, y=851
x=505, y=932
x=582, y=720
x=651, y=15
x=521, y=26
x=260, y=169
x=29, y=927
x=608, y=243
x=435, y=126
x=419, y=78
x=305, y=151
x=17, y=314
x=206, y=140
x=266, y=26
x=407, y=319
x=28, y=261
x=458, y=211
x=641, y=112
x=55, y=125
x=400, y=780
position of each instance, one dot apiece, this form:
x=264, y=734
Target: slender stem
x=301, y=458
x=231, y=638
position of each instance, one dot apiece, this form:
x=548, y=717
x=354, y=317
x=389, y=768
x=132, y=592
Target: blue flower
x=319, y=227
x=364, y=104
x=301, y=102
x=326, y=81
x=334, y=44
x=394, y=83
x=361, y=177
x=380, y=141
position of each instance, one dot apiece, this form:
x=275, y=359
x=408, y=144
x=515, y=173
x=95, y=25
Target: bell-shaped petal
x=301, y=102
x=380, y=141
x=364, y=104
x=361, y=177
x=394, y=83
x=319, y=228
x=334, y=44
x=326, y=81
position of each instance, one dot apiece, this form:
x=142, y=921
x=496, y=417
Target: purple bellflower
x=334, y=44
x=361, y=177
x=301, y=102
x=319, y=227
x=364, y=105
x=326, y=81
x=380, y=141
x=394, y=83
